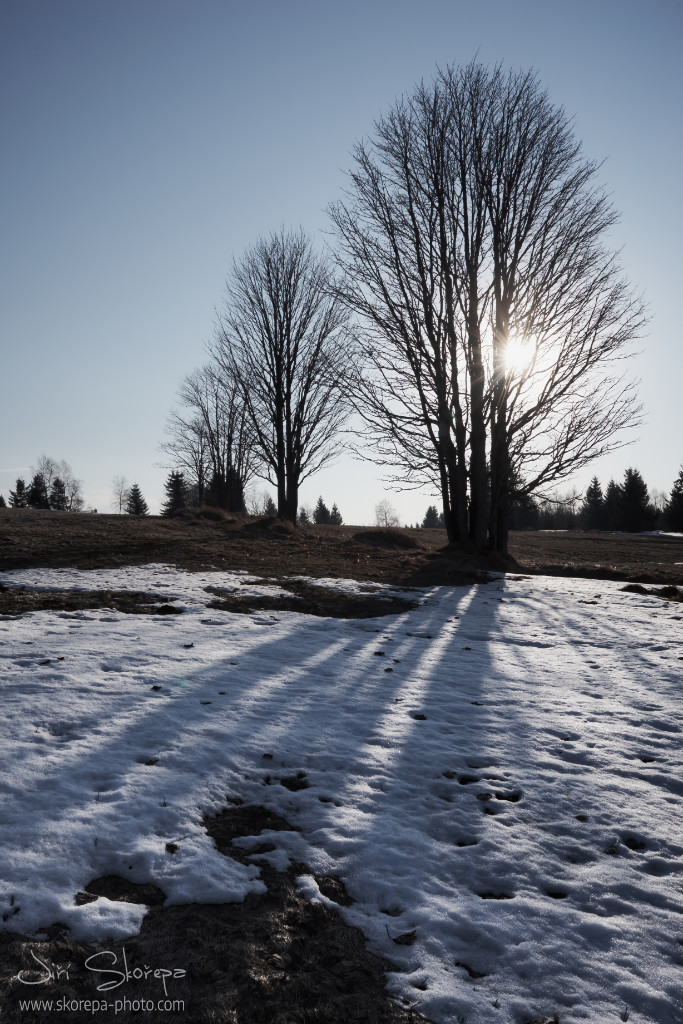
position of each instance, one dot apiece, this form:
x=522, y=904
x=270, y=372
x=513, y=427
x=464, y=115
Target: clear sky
x=146, y=142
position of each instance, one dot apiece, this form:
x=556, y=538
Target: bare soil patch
x=630, y=557
x=273, y=959
x=267, y=548
x=312, y=600
x=17, y=600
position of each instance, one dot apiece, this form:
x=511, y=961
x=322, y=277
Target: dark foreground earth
x=200, y=539
x=276, y=958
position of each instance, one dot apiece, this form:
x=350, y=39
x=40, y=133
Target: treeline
x=321, y=515
x=181, y=494
x=625, y=506
x=52, y=486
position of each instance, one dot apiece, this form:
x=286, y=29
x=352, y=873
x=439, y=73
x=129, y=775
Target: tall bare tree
x=491, y=313
x=281, y=334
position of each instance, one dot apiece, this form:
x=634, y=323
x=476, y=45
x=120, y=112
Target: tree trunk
x=478, y=494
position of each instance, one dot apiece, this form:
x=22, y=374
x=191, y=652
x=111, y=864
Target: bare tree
x=215, y=442
x=119, y=490
x=491, y=312
x=281, y=334
x=52, y=470
x=385, y=514
x=188, y=450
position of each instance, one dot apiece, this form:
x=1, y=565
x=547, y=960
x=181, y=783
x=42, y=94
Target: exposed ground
x=274, y=958
x=32, y=538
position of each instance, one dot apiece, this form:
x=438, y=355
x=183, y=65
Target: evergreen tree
x=335, y=517
x=673, y=513
x=431, y=519
x=135, y=503
x=36, y=496
x=3, y=503
x=58, y=498
x=592, y=511
x=303, y=517
x=635, y=512
x=270, y=508
x=17, y=497
x=611, y=505
x=175, y=494
x=321, y=513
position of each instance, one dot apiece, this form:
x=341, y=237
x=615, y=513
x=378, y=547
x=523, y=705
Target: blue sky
x=146, y=142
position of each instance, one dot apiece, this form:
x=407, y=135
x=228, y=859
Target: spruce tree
x=673, y=513
x=303, y=517
x=335, y=517
x=3, y=503
x=431, y=519
x=36, y=496
x=612, y=505
x=635, y=511
x=17, y=497
x=175, y=494
x=270, y=508
x=592, y=512
x=58, y=498
x=135, y=503
x=321, y=513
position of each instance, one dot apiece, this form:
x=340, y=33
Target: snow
x=525, y=744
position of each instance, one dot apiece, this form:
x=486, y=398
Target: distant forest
x=627, y=506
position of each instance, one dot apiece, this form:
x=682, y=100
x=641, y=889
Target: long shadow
x=411, y=790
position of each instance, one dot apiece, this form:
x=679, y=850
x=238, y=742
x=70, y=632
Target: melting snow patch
x=502, y=808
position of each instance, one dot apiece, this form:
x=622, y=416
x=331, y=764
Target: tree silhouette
x=492, y=311
x=592, y=511
x=431, y=519
x=321, y=513
x=175, y=494
x=635, y=512
x=335, y=517
x=135, y=503
x=58, y=497
x=37, y=496
x=17, y=497
x=282, y=337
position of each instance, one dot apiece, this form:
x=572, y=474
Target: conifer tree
x=592, y=512
x=58, y=498
x=335, y=517
x=175, y=494
x=37, y=496
x=17, y=497
x=673, y=513
x=303, y=517
x=135, y=503
x=3, y=503
x=612, y=505
x=321, y=513
x=635, y=510
x=270, y=508
x=431, y=519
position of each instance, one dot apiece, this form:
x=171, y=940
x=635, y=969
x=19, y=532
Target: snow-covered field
x=521, y=739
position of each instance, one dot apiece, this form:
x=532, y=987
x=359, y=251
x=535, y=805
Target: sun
x=519, y=354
